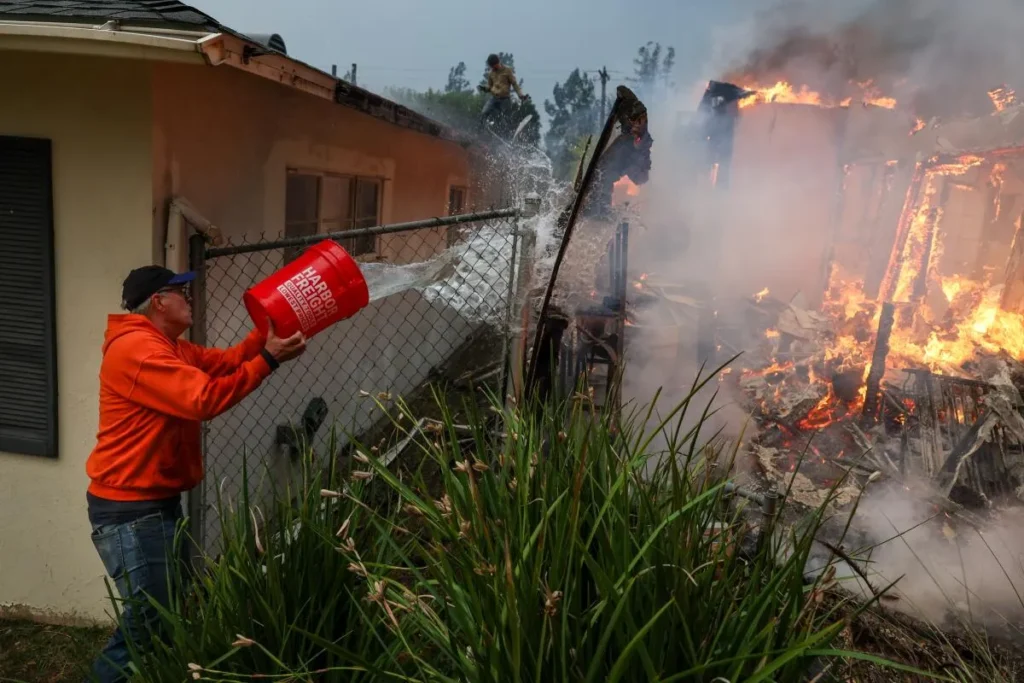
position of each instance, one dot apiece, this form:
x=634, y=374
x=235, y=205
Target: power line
x=445, y=69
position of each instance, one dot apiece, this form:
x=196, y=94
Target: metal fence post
x=506, y=336
x=519, y=310
x=197, y=496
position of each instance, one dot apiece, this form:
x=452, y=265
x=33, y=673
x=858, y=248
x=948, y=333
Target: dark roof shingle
x=148, y=12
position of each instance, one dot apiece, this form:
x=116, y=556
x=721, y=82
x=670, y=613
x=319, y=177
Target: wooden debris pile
x=829, y=420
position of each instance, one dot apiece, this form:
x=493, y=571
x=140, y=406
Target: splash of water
x=387, y=279
x=474, y=278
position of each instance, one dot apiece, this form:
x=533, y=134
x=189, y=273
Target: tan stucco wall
x=97, y=113
x=126, y=137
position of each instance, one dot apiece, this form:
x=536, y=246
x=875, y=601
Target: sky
x=413, y=43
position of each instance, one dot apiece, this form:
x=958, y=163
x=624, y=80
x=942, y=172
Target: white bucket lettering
x=309, y=297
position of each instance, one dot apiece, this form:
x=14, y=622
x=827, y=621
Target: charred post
x=1013, y=292
x=921, y=281
x=873, y=398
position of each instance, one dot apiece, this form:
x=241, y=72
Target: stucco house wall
x=98, y=113
x=127, y=136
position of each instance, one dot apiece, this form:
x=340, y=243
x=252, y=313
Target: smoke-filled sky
x=413, y=43
x=949, y=52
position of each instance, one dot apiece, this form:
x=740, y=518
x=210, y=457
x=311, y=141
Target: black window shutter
x=28, y=344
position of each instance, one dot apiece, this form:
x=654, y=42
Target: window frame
x=452, y=234
x=43, y=443
x=359, y=246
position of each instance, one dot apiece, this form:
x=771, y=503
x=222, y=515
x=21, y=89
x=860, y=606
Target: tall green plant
x=286, y=583
x=568, y=553
x=553, y=545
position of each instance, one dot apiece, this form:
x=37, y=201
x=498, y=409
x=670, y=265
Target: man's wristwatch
x=271, y=361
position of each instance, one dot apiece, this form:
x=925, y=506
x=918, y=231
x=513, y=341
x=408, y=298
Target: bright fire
x=624, y=184
x=1002, y=97
x=970, y=318
x=783, y=92
x=941, y=321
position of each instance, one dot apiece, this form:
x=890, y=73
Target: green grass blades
x=285, y=595
x=563, y=549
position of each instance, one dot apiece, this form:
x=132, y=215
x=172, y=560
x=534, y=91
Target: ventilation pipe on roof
x=272, y=41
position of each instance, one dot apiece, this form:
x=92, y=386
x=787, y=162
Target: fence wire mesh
x=455, y=325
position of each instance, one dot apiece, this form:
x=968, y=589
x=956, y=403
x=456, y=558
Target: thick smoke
x=940, y=57
x=946, y=571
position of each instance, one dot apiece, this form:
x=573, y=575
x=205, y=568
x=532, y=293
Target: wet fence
x=457, y=323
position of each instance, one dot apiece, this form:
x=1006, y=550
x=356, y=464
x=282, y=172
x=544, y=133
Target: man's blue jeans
x=500, y=107
x=139, y=556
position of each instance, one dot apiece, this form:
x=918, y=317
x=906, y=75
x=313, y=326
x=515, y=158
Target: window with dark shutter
x=28, y=363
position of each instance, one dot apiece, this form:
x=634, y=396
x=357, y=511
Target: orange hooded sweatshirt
x=154, y=393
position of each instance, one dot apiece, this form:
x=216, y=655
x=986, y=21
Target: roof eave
x=83, y=39
x=222, y=48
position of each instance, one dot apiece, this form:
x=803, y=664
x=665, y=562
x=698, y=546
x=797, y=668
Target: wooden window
x=318, y=203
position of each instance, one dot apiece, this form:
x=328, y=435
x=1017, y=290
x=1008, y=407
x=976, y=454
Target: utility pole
x=603, y=74
x=354, y=82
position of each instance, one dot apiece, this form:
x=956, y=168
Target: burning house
x=889, y=314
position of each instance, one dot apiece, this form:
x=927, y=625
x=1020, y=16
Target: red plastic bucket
x=319, y=288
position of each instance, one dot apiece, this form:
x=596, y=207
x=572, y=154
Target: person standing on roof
x=501, y=80
x=155, y=390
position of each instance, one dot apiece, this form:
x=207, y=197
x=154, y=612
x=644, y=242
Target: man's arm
x=165, y=383
x=515, y=84
x=221, y=362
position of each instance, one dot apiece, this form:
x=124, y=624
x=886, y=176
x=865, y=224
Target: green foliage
x=535, y=545
x=572, y=116
x=457, y=81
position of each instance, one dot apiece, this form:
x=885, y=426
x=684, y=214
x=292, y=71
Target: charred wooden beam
x=873, y=398
x=921, y=281
x=887, y=288
x=1013, y=291
x=626, y=105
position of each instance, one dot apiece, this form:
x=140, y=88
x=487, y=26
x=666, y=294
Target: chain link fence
x=455, y=320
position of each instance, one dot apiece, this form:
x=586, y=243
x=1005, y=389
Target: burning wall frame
x=963, y=433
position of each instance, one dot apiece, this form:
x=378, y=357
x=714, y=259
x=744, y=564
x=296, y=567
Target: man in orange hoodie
x=155, y=390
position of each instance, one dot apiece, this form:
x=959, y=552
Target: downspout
x=180, y=215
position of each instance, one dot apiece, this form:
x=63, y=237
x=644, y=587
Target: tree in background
x=457, y=81
x=572, y=117
x=651, y=69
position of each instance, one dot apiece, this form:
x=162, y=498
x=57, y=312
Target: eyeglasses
x=183, y=290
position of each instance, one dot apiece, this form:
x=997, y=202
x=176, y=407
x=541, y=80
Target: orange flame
x=1002, y=97
x=783, y=92
x=624, y=184
x=941, y=341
